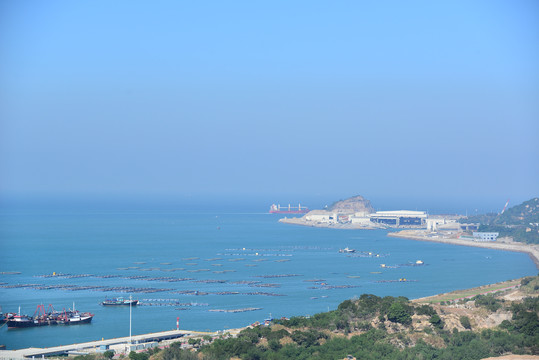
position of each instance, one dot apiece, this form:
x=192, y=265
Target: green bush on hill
x=521, y=222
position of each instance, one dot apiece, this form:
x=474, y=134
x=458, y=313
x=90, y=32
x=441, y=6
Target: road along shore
x=501, y=244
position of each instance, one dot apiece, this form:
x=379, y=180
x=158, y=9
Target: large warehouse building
x=399, y=217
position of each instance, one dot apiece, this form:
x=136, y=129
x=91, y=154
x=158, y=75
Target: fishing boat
x=44, y=317
x=269, y=320
x=119, y=301
x=77, y=317
x=347, y=250
x=20, y=321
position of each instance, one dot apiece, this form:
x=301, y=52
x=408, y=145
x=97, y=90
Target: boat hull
x=81, y=320
x=120, y=303
x=12, y=324
x=289, y=212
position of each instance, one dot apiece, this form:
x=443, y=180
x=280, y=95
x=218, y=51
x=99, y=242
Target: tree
x=109, y=354
x=399, y=313
x=465, y=322
x=138, y=356
x=436, y=321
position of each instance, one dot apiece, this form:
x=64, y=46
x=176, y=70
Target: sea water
x=226, y=261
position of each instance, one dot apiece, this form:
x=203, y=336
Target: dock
x=120, y=345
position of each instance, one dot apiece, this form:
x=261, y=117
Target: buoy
x=256, y=254
x=54, y=273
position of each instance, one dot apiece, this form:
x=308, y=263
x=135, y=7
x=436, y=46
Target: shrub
x=400, y=313
x=425, y=310
x=436, y=321
x=138, y=356
x=488, y=301
x=465, y=322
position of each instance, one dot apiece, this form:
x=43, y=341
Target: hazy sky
x=287, y=99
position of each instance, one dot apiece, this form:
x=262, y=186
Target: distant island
x=357, y=213
x=514, y=229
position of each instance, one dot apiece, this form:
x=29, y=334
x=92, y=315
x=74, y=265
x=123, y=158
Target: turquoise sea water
x=243, y=254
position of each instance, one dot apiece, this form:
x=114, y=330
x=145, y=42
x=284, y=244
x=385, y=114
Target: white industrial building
x=485, y=236
x=434, y=223
x=321, y=216
x=399, y=217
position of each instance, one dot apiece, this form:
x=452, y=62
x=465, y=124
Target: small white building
x=485, y=236
x=361, y=220
x=432, y=224
x=321, y=216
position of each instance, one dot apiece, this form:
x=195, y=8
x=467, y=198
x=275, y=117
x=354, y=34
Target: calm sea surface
x=217, y=261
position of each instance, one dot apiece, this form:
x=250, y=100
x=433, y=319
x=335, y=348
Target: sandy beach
x=422, y=235
x=500, y=244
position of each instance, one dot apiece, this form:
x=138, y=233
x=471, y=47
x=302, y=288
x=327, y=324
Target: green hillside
x=521, y=222
x=379, y=328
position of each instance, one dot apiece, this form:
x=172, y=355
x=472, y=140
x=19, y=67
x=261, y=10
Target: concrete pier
x=118, y=344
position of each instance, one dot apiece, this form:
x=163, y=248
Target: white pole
x=130, y=319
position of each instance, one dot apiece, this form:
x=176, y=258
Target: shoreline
x=471, y=292
x=420, y=235
x=507, y=245
x=302, y=222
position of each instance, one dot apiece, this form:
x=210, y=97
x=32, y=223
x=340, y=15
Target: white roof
x=399, y=213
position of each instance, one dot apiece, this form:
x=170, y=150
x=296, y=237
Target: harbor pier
x=119, y=345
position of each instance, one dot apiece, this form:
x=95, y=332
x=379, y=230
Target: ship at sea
x=277, y=209
x=119, y=301
x=50, y=316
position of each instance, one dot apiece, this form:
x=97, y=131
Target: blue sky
x=270, y=99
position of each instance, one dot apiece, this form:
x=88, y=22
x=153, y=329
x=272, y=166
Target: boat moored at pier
x=50, y=316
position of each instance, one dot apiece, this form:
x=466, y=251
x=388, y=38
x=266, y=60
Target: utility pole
x=130, y=301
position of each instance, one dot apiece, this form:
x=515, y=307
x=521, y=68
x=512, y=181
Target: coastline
x=346, y=226
x=501, y=244
x=416, y=234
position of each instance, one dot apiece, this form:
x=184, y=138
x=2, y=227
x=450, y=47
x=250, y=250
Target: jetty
x=120, y=345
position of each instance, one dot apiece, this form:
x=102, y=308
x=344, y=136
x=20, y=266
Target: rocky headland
x=340, y=215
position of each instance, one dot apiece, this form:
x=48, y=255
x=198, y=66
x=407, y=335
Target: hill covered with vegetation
x=372, y=327
x=352, y=205
x=521, y=222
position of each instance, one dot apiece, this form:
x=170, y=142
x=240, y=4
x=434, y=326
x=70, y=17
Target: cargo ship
x=44, y=317
x=277, y=209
